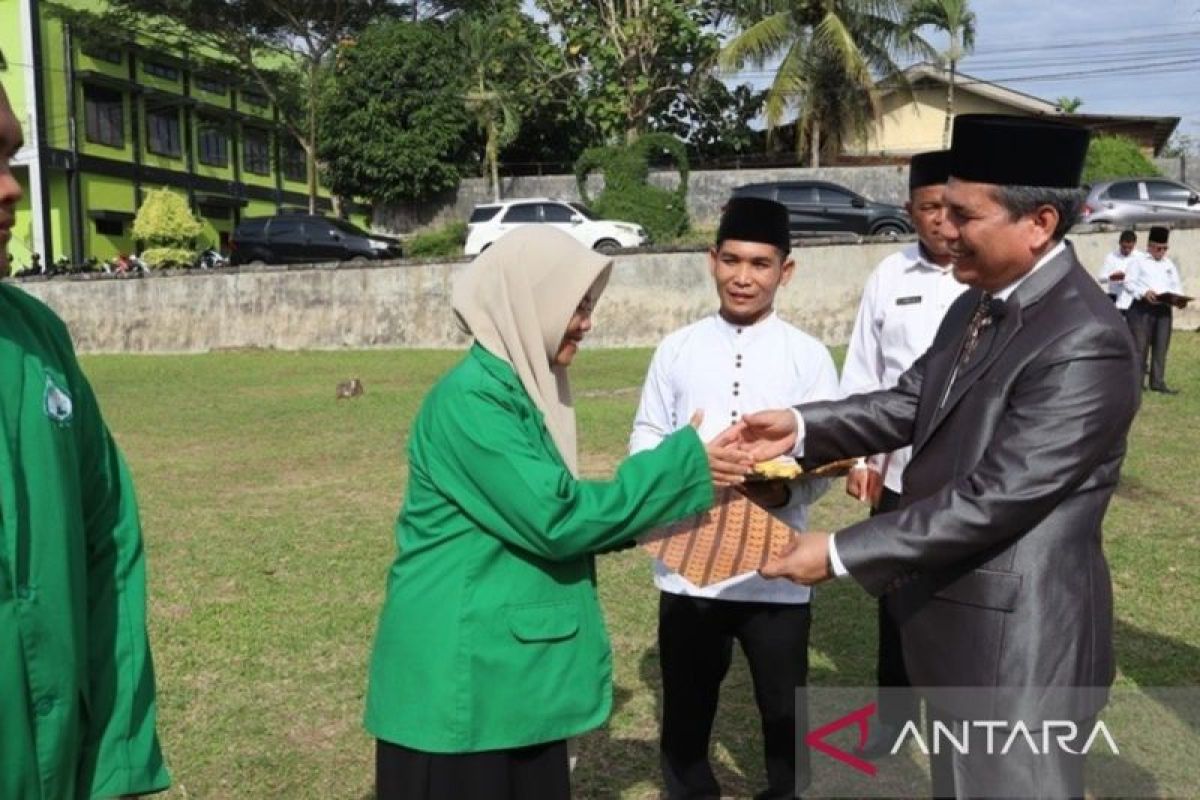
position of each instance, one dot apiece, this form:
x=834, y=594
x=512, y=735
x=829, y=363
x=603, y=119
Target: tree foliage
x=628, y=194
x=167, y=225
x=831, y=53
x=634, y=58
x=1116, y=157
x=392, y=127
x=716, y=121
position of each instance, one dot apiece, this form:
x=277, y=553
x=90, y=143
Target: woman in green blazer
x=491, y=649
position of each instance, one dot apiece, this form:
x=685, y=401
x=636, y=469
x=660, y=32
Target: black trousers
x=695, y=644
x=1150, y=324
x=895, y=707
x=539, y=772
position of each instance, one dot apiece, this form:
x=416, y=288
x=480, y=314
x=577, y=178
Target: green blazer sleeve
x=121, y=754
x=513, y=485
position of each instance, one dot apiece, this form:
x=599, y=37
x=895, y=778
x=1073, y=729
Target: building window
x=295, y=161
x=212, y=86
x=112, y=55
x=109, y=227
x=104, y=115
x=256, y=145
x=255, y=99
x=158, y=70
x=211, y=211
x=213, y=142
x=162, y=133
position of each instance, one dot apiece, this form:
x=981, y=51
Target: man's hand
x=727, y=462
x=1150, y=296
x=806, y=561
x=865, y=484
x=767, y=434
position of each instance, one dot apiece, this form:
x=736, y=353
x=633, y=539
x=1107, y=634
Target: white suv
x=492, y=220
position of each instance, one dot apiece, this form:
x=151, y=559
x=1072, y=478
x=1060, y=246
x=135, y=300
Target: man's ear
x=787, y=270
x=1044, y=222
x=712, y=262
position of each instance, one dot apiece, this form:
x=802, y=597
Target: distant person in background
x=1155, y=287
x=902, y=306
x=491, y=649
x=740, y=359
x=1116, y=267
x=77, y=699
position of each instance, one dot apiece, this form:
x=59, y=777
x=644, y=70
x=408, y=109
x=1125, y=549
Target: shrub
x=628, y=194
x=166, y=257
x=1116, y=157
x=167, y=226
x=447, y=240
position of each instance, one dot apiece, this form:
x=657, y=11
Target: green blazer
x=77, y=711
x=491, y=635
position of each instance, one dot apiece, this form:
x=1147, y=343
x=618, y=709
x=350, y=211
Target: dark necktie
x=980, y=321
x=984, y=315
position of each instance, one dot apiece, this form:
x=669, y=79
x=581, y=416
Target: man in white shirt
x=741, y=359
x=1116, y=266
x=1150, y=314
x=902, y=306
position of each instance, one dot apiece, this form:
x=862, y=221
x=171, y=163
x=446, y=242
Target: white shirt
x=1153, y=274
x=835, y=561
x=1116, y=262
x=725, y=371
x=902, y=305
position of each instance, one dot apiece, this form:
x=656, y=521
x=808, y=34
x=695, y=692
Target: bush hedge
x=628, y=195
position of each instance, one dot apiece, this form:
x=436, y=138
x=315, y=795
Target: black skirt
x=538, y=772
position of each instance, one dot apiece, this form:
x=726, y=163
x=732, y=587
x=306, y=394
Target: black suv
x=291, y=238
x=820, y=207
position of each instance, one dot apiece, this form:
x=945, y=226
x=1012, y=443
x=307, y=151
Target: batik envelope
x=733, y=537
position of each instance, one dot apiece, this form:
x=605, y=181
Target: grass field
x=268, y=509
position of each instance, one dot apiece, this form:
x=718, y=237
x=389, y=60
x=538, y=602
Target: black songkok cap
x=755, y=219
x=1018, y=151
x=1159, y=235
x=929, y=169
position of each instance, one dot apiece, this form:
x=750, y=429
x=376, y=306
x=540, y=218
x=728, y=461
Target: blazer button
x=44, y=706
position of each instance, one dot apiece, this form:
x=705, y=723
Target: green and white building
x=106, y=121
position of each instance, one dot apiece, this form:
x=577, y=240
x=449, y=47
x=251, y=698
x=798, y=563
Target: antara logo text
x=990, y=737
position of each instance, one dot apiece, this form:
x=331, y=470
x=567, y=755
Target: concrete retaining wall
x=707, y=192
x=407, y=304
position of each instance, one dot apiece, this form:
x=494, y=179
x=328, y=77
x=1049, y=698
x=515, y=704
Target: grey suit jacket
x=994, y=560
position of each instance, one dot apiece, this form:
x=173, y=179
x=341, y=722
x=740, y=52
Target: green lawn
x=268, y=507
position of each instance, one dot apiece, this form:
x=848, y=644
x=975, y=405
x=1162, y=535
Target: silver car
x=1130, y=201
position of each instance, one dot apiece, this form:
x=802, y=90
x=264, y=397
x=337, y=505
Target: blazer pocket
x=985, y=588
x=543, y=622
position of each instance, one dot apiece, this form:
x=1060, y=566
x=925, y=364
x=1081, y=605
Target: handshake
x=731, y=458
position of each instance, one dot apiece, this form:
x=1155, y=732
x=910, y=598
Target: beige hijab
x=516, y=298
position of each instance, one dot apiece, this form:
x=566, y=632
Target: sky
x=1138, y=57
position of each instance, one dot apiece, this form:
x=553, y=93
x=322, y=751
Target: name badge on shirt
x=908, y=301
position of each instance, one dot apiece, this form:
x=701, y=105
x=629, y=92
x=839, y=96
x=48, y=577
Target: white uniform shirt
x=902, y=306
x=725, y=371
x=1150, y=274
x=1115, y=262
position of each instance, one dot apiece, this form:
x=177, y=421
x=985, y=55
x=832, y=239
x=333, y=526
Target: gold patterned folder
x=733, y=537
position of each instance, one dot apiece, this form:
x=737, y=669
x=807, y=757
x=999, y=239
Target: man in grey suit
x=1018, y=415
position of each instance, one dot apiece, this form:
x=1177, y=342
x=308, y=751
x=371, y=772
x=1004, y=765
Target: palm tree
x=831, y=54
x=958, y=21
x=485, y=56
